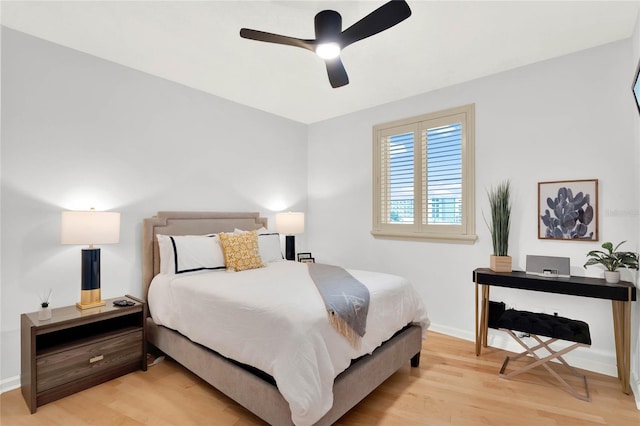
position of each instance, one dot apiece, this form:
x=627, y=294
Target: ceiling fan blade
x=278, y=39
x=337, y=74
x=386, y=16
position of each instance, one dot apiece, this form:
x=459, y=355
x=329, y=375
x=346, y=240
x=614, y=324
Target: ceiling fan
x=330, y=39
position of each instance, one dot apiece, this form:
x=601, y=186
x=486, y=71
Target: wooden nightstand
x=76, y=349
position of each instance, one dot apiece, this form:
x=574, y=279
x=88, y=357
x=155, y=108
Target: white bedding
x=274, y=319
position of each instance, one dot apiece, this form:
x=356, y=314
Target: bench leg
x=542, y=361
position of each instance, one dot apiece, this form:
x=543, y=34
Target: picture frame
x=635, y=87
x=568, y=210
x=302, y=256
x=307, y=260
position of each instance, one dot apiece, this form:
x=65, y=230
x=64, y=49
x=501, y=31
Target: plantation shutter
x=397, y=176
x=442, y=175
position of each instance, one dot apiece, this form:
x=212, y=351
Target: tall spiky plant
x=500, y=203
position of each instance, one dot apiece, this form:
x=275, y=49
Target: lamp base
x=90, y=296
x=290, y=247
x=90, y=299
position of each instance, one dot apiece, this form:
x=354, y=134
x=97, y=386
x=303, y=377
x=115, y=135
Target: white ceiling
x=443, y=43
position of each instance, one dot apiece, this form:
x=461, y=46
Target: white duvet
x=274, y=319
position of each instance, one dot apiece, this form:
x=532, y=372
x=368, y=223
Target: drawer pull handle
x=96, y=359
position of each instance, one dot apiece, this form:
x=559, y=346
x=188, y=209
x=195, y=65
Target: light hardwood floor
x=451, y=387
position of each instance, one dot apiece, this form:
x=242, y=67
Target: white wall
x=567, y=118
x=81, y=132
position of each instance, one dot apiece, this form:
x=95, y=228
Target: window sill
x=444, y=238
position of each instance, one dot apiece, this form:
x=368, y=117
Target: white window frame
x=466, y=232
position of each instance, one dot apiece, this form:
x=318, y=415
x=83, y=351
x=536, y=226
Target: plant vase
x=612, y=277
x=500, y=263
x=44, y=313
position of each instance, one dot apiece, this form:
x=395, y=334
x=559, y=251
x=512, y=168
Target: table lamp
x=90, y=227
x=289, y=224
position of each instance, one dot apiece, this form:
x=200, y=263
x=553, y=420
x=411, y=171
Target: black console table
x=620, y=294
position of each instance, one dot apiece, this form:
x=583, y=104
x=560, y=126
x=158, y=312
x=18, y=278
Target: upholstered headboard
x=188, y=223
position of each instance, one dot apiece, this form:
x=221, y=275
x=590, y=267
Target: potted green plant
x=45, y=313
x=500, y=203
x=612, y=260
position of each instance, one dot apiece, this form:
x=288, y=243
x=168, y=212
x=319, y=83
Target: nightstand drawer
x=76, y=363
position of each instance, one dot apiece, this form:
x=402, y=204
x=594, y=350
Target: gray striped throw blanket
x=346, y=299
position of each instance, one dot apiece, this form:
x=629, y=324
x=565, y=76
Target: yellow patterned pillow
x=241, y=251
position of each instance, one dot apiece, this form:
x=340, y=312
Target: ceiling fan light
x=329, y=50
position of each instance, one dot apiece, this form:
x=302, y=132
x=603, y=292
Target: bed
x=258, y=384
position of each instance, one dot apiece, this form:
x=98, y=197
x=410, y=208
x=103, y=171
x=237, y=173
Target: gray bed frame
x=249, y=390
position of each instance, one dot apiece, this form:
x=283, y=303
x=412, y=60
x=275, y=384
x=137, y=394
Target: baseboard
x=635, y=388
x=9, y=384
x=596, y=361
x=453, y=332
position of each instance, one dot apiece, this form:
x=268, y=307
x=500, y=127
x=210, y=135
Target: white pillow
x=167, y=264
x=268, y=244
x=189, y=253
x=270, y=248
x=262, y=230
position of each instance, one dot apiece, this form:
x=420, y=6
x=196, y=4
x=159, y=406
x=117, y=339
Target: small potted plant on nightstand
x=500, y=203
x=612, y=260
x=45, y=313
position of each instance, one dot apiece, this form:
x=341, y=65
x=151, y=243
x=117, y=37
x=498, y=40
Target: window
x=423, y=183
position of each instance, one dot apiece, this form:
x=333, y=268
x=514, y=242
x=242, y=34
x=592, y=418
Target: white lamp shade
x=290, y=223
x=90, y=227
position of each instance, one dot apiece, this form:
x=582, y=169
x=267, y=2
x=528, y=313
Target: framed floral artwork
x=568, y=210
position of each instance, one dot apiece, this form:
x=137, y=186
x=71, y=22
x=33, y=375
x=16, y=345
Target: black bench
x=552, y=327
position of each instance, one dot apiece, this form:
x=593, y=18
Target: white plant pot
x=612, y=277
